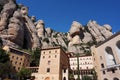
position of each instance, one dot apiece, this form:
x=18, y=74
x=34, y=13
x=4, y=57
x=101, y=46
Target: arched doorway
x=115, y=78
x=47, y=78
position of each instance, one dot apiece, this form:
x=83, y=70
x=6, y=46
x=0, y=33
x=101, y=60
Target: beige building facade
x=18, y=58
x=106, y=57
x=54, y=65
x=85, y=66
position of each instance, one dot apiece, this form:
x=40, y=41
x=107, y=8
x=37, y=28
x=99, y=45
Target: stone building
x=85, y=66
x=54, y=65
x=107, y=58
x=18, y=58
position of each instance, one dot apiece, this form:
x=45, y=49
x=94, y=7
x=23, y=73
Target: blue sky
x=59, y=14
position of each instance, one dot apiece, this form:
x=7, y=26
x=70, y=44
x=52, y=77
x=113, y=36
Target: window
x=115, y=78
x=113, y=70
x=14, y=67
x=21, y=59
x=102, y=65
x=16, y=62
x=49, y=62
x=12, y=56
x=64, y=78
x=18, y=68
x=109, y=56
x=17, y=58
x=105, y=79
x=86, y=67
x=43, y=52
x=103, y=72
x=20, y=63
x=11, y=61
x=49, y=51
x=118, y=44
x=49, y=56
x=64, y=70
x=55, y=56
x=48, y=69
x=55, y=51
x=73, y=68
x=43, y=57
x=101, y=57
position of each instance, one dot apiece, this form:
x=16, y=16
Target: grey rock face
x=40, y=29
x=98, y=32
x=7, y=11
x=49, y=31
x=75, y=28
x=94, y=30
x=18, y=29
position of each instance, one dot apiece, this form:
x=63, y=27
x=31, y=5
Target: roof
x=48, y=48
x=80, y=56
x=18, y=51
x=113, y=36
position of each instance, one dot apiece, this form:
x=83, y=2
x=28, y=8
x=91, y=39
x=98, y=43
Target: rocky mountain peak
x=18, y=29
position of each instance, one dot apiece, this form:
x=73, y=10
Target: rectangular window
x=103, y=72
x=55, y=56
x=101, y=57
x=49, y=62
x=17, y=58
x=15, y=62
x=102, y=65
x=12, y=56
x=48, y=69
x=64, y=70
x=113, y=71
x=43, y=57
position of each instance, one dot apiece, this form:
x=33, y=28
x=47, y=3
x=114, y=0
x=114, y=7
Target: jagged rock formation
x=18, y=29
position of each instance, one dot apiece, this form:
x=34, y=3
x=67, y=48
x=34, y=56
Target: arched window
x=115, y=78
x=109, y=56
x=105, y=79
x=118, y=48
x=64, y=78
x=118, y=44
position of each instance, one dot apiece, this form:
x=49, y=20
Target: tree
x=6, y=69
x=86, y=78
x=4, y=57
x=78, y=69
x=71, y=76
x=1, y=43
x=94, y=74
x=24, y=73
x=35, y=57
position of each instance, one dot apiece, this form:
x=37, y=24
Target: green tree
x=78, y=69
x=94, y=74
x=5, y=66
x=4, y=57
x=6, y=69
x=24, y=73
x=35, y=57
x=86, y=78
x=71, y=76
x=1, y=43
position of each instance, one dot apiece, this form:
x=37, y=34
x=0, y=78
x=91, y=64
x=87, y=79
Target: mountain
x=19, y=30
